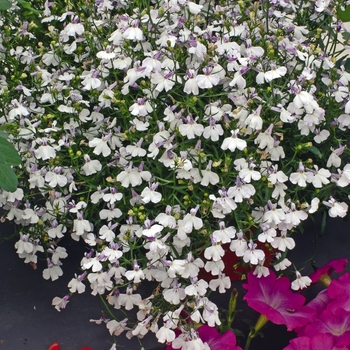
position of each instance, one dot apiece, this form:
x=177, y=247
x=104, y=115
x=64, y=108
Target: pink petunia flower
x=335, y=323
x=217, y=341
x=339, y=291
x=317, y=342
x=322, y=274
x=274, y=299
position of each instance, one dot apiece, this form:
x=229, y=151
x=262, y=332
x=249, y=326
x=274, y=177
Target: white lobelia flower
x=211, y=314
x=112, y=252
x=100, y=145
x=313, y=207
x=222, y=282
x=276, y=152
x=163, y=80
x=91, y=80
x=76, y=284
x=197, y=287
x=254, y=121
x=149, y=194
x=45, y=150
x=191, y=128
x=116, y=271
x=24, y=245
x=93, y=262
x=192, y=266
x=253, y=255
x=336, y=208
x=240, y=191
x=73, y=28
x=208, y=176
x=214, y=267
x=130, y=176
x=113, y=196
x=233, y=142
x=98, y=195
x=248, y=174
x=322, y=135
x=18, y=110
x=222, y=205
x=193, y=7
x=55, y=178
x=166, y=219
x=56, y=230
x=175, y=267
x=213, y=131
x=52, y=272
x=128, y=300
x=135, y=275
x=238, y=80
x=301, y=177
x=151, y=230
x=267, y=235
x=191, y=85
x=208, y=79
x=174, y=295
x=80, y=226
x=302, y=99
x=99, y=282
x=116, y=328
x=106, y=232
x=135, y=150
x=60, y=303
x=294, y=216
x=91, y=166
x=192, y=221
x=225, y=234
x=141, y=107
x=264, y=139
x=275, y=73
x=165, y=334
x=276, y=175
x=283, y=242
x=141, y=329
x=133, y=32
x=239, y=245
x=334, y=158
x=300, y=282
x=57, y=253
x=261, y=270
x=272, y=214
x=110, y=213
x=283, y=264
x=215, y=252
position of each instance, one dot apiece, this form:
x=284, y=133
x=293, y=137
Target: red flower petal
x=54, y=346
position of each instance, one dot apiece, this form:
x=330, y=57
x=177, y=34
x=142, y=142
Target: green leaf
x=3, y=134
x=8, y=153
x=5, y=5
x=8, y=178
x=27, y=5
x=344, y=15
x=315, y=151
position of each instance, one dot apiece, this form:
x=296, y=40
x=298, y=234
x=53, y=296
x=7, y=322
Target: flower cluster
x=167, y=135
